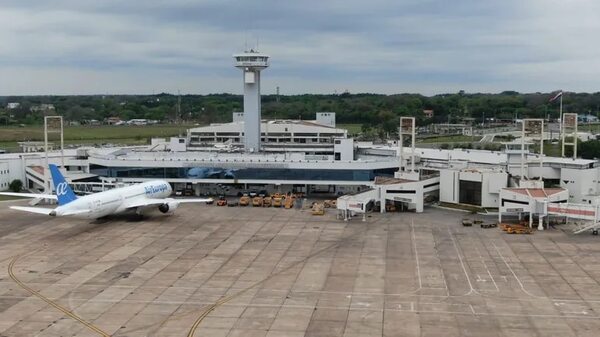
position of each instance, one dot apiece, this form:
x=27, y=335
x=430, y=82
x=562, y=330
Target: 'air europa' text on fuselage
x=156, y=189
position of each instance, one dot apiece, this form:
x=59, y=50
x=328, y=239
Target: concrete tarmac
x=233, y=271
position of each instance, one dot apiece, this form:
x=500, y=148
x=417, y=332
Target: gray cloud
x=110, y=46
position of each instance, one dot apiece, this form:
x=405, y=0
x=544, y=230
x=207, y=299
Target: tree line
x=370, y=110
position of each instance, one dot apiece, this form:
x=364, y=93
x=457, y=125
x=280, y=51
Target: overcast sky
x=326, y=46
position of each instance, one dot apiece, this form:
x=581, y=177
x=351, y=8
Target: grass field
x=593, y=128
x=353, y=129
x=450, y=139
x=131, y=135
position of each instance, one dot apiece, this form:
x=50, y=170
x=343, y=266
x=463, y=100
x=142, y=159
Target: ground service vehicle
x=222, y=201
x=257, y=202
x=245, y=200
x=318, y=209
x=267, y=201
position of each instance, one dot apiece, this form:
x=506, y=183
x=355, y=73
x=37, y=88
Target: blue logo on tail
x=64, y=193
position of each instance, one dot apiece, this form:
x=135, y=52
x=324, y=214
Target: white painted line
x=486, y=268
x=515, y=275
x=461, y=261
x=412, y=228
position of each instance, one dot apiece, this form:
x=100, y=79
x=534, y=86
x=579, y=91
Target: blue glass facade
x=246, y=173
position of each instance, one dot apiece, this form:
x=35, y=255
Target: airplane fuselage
x=116, y=200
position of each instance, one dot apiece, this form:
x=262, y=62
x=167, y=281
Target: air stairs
x=594, y=226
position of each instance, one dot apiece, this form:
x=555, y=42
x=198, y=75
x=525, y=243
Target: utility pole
x=178, y=110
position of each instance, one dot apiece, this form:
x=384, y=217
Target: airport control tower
x=251, y=62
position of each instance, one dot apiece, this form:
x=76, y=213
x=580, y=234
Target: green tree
x=16, y=185
x=589, y=149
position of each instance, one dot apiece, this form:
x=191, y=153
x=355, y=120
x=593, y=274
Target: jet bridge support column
x=381, y=200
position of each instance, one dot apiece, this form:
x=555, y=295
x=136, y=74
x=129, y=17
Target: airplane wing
x=183, y=201
x=150, y=202
x=38, y=210
x=49, y=211
x=30, y=195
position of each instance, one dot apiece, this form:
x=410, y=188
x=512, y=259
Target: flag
x=555, y=97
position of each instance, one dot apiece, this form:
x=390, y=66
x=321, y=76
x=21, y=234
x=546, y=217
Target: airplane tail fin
x=64, y=193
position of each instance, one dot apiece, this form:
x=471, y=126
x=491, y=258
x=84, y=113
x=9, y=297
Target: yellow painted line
x=52, y=303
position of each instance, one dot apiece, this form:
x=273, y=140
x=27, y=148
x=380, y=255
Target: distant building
x=28, y=147
x=311, y=137
x=587, y=119
x=90, y=122
x=13, y=105
x=43, y=108
x=451, y=129
x=138, y=121
x=428, y=113
x=113, y=121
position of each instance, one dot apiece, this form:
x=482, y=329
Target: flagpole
x=560, y=113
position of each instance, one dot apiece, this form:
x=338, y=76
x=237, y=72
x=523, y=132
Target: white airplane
x=136, y=198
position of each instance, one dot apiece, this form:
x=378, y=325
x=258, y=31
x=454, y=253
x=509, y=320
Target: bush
x=16, y=185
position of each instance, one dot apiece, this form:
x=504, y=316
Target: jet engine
x=168, y=207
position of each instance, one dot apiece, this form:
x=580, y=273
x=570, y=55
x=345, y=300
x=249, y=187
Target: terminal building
x=375, y=173
x=315, y=137
x=317, y=158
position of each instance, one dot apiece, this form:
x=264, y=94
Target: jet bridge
x=357, y=203
x=586, y=213
x=411, y=193
x=542, y=202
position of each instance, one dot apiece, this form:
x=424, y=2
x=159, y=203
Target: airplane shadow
x=105, y=223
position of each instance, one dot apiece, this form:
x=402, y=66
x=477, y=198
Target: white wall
x=238, y=117
x=579, y=182
x=345, y=147
x=4, y=176
x=449, y=186
x=547, y=172
x=491, y=185
x=326, y=118
x=177, y=144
